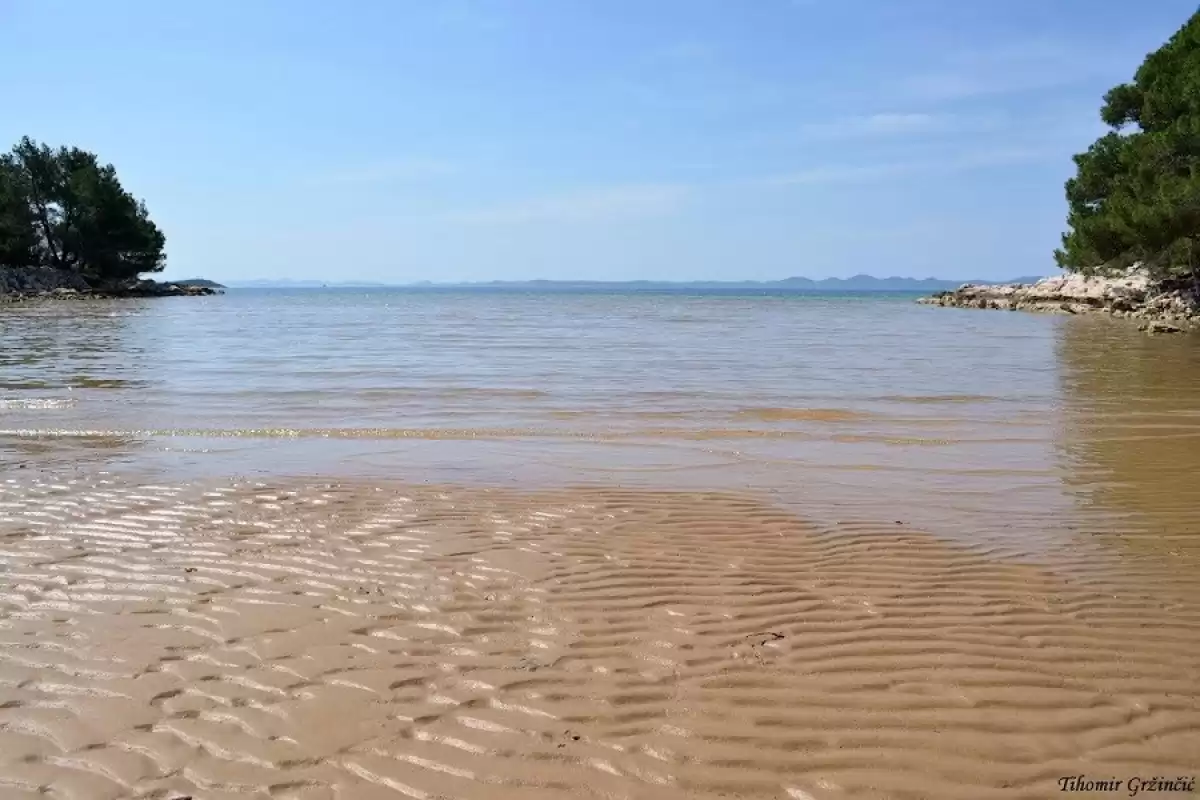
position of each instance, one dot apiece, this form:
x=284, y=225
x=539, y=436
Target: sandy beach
x=479, y=400
x=352, y=640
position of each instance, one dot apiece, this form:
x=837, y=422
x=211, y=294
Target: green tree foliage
x=62, y=208
x=1136, y=195
x=18, y=240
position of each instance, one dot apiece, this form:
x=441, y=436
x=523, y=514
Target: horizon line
x=591, y=281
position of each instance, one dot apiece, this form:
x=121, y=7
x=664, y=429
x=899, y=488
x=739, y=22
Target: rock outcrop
x=34, y=280
x=1164, y=308
x=18, y=284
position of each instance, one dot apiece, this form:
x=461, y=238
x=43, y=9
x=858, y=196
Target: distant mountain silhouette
x=286, y=283
x=856, y=283
x=871, y=283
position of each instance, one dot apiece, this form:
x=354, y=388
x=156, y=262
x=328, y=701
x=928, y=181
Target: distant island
x=857, y=283
x=201, y=282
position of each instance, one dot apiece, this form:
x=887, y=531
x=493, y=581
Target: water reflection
x=1131, y=435
x=48, y=347
x=65, y=363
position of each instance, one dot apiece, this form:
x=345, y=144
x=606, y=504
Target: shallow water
x=344, y=544
x=864, y=403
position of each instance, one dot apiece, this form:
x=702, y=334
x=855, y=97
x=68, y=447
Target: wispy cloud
x=905, y=125
x=1009, y=68
x=868, y=173
x=837, y=173
x=391, y=170
x=630, y=201
x=869, y=125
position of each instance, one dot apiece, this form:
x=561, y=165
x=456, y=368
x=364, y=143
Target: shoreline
x=915, y=572
x=23, y=284
x=158, y=290
x=1162, y=308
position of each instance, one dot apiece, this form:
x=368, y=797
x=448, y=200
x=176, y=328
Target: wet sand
x=510, y=547
x=300, y=639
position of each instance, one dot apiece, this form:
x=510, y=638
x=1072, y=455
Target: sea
x=865, y=401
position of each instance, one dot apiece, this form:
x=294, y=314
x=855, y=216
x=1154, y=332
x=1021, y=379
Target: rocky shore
x=19, y=284
x=1162, y=308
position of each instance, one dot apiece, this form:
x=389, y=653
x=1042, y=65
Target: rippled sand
x=846, y=563
x=300, y=640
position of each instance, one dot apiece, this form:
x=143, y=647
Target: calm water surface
x=993, y=426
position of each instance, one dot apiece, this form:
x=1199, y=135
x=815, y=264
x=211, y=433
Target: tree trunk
x=43, y=217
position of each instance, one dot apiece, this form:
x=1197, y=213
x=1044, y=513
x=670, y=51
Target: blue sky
x=403, y=140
